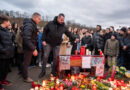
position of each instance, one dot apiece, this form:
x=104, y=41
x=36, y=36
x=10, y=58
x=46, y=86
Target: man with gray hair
x=29, y=42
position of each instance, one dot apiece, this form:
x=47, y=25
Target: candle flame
x=57, y=81
x=72, y=78
x=44, y=83
x=36, y=88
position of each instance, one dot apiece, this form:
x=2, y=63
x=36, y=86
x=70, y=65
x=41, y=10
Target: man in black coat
x=126, y=49
x=6, y=50
x=120, y=38
x=95, y=39
x=29, y=42
x=107, y=35
x=100, y=42
x=52, y=38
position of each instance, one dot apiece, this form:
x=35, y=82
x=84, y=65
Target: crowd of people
x=28, y=45
x=115, y=44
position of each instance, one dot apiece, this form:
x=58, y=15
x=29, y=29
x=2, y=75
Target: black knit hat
x=123, y=29
x=113, y=35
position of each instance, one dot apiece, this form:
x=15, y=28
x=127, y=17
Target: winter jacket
x=100, y=42
x=111, y=47
x=87, y=41
x=121, y=40
x=94, y=39
x=72, y=41
x=107, y=36
x=54, y=31
x=127, y=43
x=74, y=45
x=6, y=44
x=29, y=34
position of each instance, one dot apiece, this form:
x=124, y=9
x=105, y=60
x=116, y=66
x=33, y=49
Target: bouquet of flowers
x=82, y=82
x=120, y=72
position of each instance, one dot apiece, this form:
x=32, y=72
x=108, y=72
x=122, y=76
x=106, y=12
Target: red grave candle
x=94, y=87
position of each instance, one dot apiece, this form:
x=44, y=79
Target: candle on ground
x=44, y=83
x=36, y=88
x=32, y=89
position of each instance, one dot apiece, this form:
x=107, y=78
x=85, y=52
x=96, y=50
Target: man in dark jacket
x=126, y=49
x=107, y=35
x=6, y=50
x=100, y=42
x=29, y=42
x=120, y=38
x=52, y=38
x=95, y=37
x=87, y=41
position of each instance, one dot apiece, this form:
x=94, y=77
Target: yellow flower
x=117, y=69
x=121, y=72
x=92, y=82
x=82, y=86
x=123, y=68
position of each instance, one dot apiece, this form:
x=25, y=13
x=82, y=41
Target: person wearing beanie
x=123, y=29
x=126, y=49
x=121, y=37
x=111, y=50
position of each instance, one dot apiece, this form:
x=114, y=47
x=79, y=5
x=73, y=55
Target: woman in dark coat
x=87, y=41
x=74, y=44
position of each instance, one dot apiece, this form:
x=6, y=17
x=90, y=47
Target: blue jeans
x=78, y=46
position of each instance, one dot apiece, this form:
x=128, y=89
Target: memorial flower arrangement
x=120, y=72
x=81, y=82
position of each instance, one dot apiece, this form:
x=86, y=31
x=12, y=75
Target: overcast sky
x=88, y=12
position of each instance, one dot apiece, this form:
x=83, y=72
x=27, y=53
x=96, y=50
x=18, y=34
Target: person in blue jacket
x=40, y=47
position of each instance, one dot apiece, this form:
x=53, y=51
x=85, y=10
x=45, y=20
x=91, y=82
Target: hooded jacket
x=54, y=31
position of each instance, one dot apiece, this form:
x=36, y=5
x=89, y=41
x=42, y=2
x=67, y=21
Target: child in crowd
x=111, y=50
